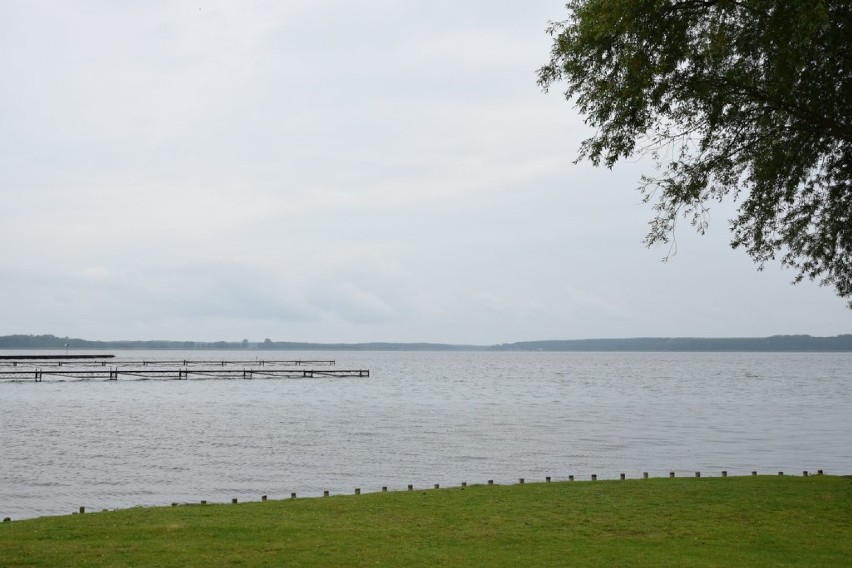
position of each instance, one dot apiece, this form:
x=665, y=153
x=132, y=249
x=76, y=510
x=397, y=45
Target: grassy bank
x=734, y=521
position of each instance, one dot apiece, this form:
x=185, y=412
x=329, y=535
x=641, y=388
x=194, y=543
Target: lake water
x=421, y=418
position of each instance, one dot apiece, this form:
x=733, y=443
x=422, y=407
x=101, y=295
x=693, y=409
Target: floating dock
x=184, y=369
x=52, y=357
x=92, y=361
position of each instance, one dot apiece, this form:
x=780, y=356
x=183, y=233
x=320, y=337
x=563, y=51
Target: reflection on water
x=421, y=418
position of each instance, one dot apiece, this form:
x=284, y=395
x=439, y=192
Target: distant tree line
x=659, y=344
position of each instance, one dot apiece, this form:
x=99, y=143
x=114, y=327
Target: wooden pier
x=94, y=361
x=177, y=370
x=51, y=357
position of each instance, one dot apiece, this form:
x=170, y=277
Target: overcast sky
x=332, y=170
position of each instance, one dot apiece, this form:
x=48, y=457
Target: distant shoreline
x=776, y=343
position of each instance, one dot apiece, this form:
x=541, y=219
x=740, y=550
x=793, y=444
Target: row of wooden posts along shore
x=521, y=481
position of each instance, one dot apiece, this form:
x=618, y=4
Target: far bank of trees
x=774, y=343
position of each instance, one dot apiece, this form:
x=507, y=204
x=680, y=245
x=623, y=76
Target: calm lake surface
x=421, y=418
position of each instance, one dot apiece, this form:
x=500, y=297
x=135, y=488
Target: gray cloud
x=333, y=171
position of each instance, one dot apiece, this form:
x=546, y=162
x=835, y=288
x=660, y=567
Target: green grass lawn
x=733, y=521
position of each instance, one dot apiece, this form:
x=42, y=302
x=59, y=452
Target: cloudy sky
x=379, y=170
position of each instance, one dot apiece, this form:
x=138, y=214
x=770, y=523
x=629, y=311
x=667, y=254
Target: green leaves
x=751, y=98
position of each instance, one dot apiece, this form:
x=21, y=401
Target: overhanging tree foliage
x=748, y=98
